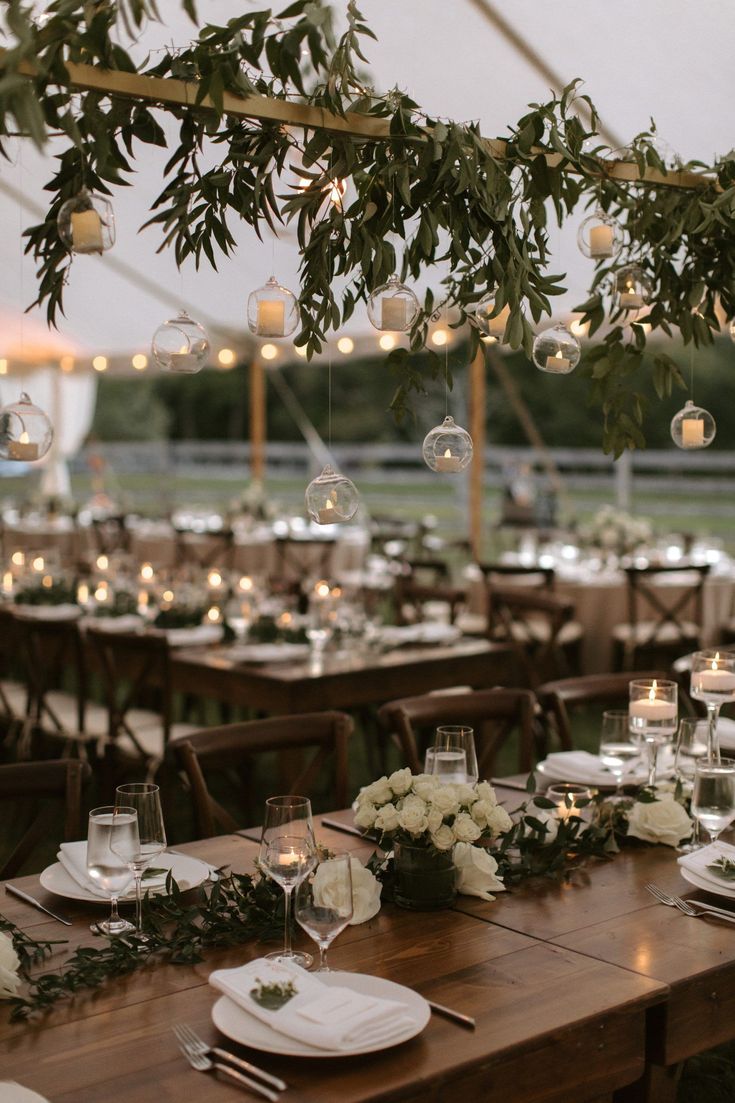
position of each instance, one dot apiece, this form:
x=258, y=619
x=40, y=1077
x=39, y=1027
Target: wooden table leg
x=658, y=1085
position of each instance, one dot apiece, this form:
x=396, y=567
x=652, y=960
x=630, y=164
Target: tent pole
x=257, y=420
x=477, y=467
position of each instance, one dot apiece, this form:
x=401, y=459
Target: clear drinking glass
x=653, y=713
x=108, y=827
x=287, y=855
x=455, y=757
x=691, y=745
x=713, y=795
x=324, y=903
x=617, y=749
x=139, y=851
x=713, y=682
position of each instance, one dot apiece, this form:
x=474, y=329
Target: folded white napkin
x=73, y=857
x=10, y=1092
x=197, y=636
x=325, y=1016
x=581, y=766
x=131, y=622
x=698, y=861
x=49, y=612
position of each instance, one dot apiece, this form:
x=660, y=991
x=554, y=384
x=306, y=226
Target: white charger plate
x=188, y=872
x=708, y=886
x=237, y=1025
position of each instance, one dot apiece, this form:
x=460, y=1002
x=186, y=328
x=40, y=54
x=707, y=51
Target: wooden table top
x=553, y=1022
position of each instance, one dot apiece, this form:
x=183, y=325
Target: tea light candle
x=214, y=615
x=18, y=559
x=245, y=584
x=631, y=299
x=86, y=232
x=652, y=708
x=8, y=582
x=326, y=515
x=82, y=593
x=321, y=590
x=143, y=599
x=271, y=321
x=184, y=361
x=714, y=680
x=601, y=241
x=557, y=362
x=23, y=448
x=448, y=462
x=285, y=620
x=392, y=312
x=146, y=572
x=214, y=580
x=692, y=432
x=38, y=564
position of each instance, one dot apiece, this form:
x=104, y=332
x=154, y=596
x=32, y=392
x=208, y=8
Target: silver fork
x=188, y=1036
x=201, y=1063
x=689, y=907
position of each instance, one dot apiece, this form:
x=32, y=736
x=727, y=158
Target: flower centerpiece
x=425, y=822
x=9, y=965
x=615, y=532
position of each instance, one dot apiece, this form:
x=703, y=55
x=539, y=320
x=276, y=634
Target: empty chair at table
x=665, y=613
x=211, y=549
x=41, y=802
x=297, y=559
x=474, y=622
x=587, y=696
x=496, y=715
x=314, y=745
x=13, y=691
x=539, y=626
x=111, y=534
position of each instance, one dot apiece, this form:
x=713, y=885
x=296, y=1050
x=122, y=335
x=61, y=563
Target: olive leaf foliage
x=433, y=196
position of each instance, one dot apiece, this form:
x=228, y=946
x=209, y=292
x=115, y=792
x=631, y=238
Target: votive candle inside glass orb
x=86, y=223
x=693, y=427
x=600, y=236
x=25, y=431
x=272, y=310
x=331, y=498
x=447, y=447
x=180, y=345
x=393, y=306
x=556, y=351
x=491, y=319
x=633, y=288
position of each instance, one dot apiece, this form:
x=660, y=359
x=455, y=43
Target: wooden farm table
x=340, y=682
x=553, y=1023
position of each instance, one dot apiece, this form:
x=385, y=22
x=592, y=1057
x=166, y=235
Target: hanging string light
x=556, y=350
x=272, y=310
x=86, y=223
x=180, y=345
x=600, y=236
x=393, y=306
x=491, y=319
x=25, y=431
x=692, y=427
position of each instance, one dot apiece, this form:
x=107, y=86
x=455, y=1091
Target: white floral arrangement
x=366, y=890
x=9, y=965
x=654, y=816
x=614, y=530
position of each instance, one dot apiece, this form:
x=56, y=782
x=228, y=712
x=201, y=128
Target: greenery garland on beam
x=472, y=209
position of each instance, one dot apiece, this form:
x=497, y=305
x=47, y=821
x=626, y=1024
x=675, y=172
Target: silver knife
x=449, y=1013
x=35, y=904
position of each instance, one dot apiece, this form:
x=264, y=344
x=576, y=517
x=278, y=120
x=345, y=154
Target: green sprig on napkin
x=723, y=867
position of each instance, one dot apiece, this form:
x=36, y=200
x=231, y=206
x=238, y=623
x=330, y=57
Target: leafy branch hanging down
x=425, y=195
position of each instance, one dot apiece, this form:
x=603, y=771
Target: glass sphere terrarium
x=180, y=345
x=25, y=431
x=633, y=288
x=272, y=310
x=600, y=236
x=331, y=498
x=556, y=351
x=447, y=447
x=393, y=306
x=492, y=324
x=693, y=427
x=86, y=223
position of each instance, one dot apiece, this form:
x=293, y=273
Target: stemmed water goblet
x=713, y=795
x=140, y=849
x=109, y=827
x=617, y=749
x=287, y=855
x=324, y=903
x=652, y=715
x=713, y=682
x=453, y=757
x=691, y=747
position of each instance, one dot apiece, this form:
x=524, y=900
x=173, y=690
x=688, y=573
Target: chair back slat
x=57, y=780
x=558, y=699
x=531, y=621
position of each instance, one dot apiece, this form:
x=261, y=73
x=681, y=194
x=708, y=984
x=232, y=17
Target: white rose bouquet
x=9, y=965
x=655, y=816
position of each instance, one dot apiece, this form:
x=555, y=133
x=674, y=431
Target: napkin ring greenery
x=273, y=996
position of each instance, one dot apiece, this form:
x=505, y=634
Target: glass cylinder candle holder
x=653, y=713
x=571, y=800
x=713, y=683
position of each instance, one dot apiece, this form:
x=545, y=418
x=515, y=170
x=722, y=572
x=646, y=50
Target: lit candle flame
x=715, y=660
x=447, y=454
x=558, y=355
x=652, y=691
x=24, y=438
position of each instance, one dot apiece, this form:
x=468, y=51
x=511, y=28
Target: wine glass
x=691, y=744
x=652, y=714
x=713, y=795
x=455, y=757
x=141, y=849
x=713, y=682
x=287, y=855
x=108, y=826
x=324, y=903
x=617, y=749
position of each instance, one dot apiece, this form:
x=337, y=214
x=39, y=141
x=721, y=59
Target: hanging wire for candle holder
x=272, y=310
x=86, y=223
x=556, y=351
x=180, y=345
x=393, y=306
x=331, y=498
x=26, y=434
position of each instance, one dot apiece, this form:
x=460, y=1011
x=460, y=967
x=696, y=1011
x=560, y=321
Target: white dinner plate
x=639, y=776
x=702, y=883
x=237, y=1025
x=188, y=872
x=268, y=652
x=197, y=636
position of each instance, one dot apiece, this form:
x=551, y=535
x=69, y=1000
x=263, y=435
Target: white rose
x=551, y=822
x=662, y=821
x=424, y=785
x=498, y=821
x=485, y=791
x=365, y=816
x=366, y=889
x=434, y=819
x=9, y=964
x=481, y=811
x=444, y=800
x=379, y=792
x=387, y=818
x=443, y=838
x=400, y=781
x=476, y=871
x=465, y=794
x=412, y=817
x=465, y=829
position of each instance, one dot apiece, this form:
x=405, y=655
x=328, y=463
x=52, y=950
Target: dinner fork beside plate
x=197, y=1053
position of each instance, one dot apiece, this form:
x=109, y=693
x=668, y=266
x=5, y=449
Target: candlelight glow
x=387, y=342
x=146, y=572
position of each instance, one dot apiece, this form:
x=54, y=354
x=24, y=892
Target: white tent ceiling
x=660, y=59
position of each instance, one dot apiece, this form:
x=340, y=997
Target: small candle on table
x=601, y=241
x=715, y=679
x=82, y=593
x=692, y=432
x=557, y=362
x=271, y=318
x=448, y=462
x=22, y=448
x=652, y=708
x=143, y=599
x=86, y=232
x=8, y=582
x=392, y=312
x=146, y=572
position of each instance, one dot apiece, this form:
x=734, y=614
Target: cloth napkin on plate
x=581, y=766
x=325, y=1016
x=73, y=857
x=198, y=636
x=698, y=861
x=10, y=1092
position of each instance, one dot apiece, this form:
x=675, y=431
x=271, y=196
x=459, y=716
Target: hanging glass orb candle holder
x=393, y=306
x=25, y=431
x=272, y=310
x=556, y=351
x=86, y=223
x=693, y=427
x=491, y=324
x=632, y=288
x=600, y=236
x=331, y=498
x=180, y=345
x=447, y=447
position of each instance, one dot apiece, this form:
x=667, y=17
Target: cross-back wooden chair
x=559, y=699
x=234, y=746
x=211, y=549
x=540, y=628
x=13, y=691
x=517, y=574
x=411, y=597
x=296, y=559
x=665, y=614
x=431, y=572
x=111, y=534
x=31, y=788
x=493, y=713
